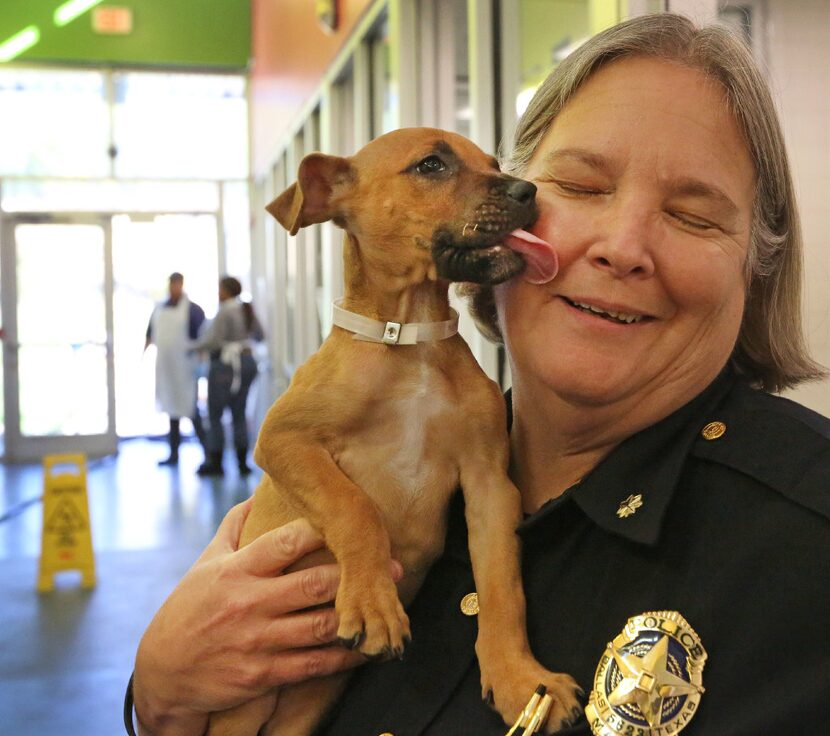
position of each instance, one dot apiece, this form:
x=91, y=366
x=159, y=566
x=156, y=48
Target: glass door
x=57, y=336
x=146, y=249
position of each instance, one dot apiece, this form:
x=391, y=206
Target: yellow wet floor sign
x=66, y=542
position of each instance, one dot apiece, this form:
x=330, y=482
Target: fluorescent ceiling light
x=67, y=12
x=18, y=43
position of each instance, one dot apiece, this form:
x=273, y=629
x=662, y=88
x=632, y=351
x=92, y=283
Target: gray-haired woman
x=677, y=538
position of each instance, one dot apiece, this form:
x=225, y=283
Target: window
x=552, y=29
x=384, y=89
x=108, y=195
x=53, y=123
x=57, y=123
x=169, y=125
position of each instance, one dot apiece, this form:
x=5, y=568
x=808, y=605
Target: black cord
x=128, y=708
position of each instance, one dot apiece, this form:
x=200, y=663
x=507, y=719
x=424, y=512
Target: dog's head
x=412, y=195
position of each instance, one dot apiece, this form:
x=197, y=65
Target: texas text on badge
x=649, y=680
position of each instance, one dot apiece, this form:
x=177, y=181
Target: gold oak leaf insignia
x=630, y=505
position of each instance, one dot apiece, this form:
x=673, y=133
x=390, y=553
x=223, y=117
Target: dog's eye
x=430, y=165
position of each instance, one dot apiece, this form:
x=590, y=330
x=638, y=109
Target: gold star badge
x=630, y=505
x=649, y=680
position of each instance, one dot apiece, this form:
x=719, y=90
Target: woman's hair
x=234, y=288
x=231, y=285
x=771, y=350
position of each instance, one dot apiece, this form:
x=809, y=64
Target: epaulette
x=778, y=442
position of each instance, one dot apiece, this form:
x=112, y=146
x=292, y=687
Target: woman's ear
x=311, y=199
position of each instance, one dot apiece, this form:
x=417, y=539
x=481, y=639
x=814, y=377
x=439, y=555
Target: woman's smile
x=616, y=314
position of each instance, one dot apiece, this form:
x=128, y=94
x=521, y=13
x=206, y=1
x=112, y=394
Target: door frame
x=20, y=448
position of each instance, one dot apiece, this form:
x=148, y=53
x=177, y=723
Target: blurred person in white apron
x=173, y=324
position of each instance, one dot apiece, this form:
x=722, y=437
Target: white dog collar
x=393, y=333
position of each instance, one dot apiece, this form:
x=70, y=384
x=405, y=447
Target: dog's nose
x=520, y=190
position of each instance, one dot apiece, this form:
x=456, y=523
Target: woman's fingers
x=301, y=589
x=275, y=550
x=301, y=630
x=299, y=665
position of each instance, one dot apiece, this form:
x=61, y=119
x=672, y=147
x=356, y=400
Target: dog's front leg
x=370, y=615
x=509, y=672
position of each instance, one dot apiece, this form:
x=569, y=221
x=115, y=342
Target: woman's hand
x=234, y=628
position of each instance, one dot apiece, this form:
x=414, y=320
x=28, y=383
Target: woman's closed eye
x=575, y=189
x=693, y=221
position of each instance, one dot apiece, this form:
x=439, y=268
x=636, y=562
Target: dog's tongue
x=542, y=261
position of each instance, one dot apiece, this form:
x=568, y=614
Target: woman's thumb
x=227, y=535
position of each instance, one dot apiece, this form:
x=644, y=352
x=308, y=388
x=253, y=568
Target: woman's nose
x=624, y=245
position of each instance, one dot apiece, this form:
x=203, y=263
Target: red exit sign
x=111, y=19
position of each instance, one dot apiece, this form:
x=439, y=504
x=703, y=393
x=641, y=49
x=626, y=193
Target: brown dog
x=372, y=437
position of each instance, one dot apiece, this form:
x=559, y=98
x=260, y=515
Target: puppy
x=392, y=414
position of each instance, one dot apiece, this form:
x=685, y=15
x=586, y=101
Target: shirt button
x=469, y=604
x=713, y=430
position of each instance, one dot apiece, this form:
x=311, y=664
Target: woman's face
x=645, y=187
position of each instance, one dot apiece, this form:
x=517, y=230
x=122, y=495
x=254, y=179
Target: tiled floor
x=65, y=656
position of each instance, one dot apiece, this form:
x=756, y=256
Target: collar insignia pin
x=630, y=505
x=649, y=679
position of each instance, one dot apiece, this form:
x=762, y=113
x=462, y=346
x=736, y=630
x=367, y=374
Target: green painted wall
x=201, y=33
x=550, y=24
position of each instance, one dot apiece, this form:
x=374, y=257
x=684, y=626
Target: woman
x=231, y=373
x=677, y=539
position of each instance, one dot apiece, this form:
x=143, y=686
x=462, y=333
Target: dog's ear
x=312, y=198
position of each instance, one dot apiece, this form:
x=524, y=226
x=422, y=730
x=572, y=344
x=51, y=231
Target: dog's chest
x=405, y=440
x=404, y=456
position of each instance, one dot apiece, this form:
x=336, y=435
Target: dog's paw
x=509, y=691
x=371, y=619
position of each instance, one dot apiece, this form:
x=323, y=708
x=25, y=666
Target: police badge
x=649, y=680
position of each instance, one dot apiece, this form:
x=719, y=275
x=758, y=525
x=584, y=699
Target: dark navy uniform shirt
x=733, y=533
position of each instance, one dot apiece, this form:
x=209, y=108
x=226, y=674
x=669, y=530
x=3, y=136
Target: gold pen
x=519, y=727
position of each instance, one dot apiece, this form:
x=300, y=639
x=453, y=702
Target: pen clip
x=540, y=715
x=527, y=713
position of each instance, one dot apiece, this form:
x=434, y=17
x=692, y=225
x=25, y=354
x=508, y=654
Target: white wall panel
x=798, y=40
